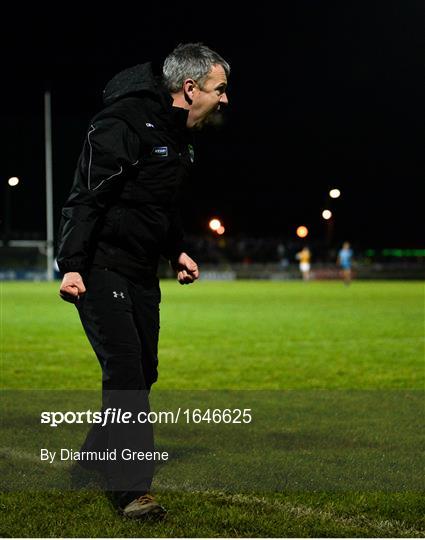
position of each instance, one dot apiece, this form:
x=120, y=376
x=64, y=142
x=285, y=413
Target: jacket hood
x=140, y=78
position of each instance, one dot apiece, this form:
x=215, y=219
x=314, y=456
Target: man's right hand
x=72, y=287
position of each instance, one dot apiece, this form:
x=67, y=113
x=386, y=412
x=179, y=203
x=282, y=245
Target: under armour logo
x=118, y=294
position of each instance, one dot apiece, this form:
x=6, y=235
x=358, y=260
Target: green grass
x=343, y=357
x=240, y=335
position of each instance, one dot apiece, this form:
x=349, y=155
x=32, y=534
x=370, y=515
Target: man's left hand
x=186, y=268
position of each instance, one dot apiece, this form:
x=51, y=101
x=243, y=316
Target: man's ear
x=189, y=86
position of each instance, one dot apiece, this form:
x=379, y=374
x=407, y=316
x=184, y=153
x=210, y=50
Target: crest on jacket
x=191, y=153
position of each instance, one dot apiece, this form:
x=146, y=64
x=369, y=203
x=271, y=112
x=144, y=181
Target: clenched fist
x=72, y=287
x=186, y=268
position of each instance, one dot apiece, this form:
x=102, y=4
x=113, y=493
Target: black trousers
x=121, y=321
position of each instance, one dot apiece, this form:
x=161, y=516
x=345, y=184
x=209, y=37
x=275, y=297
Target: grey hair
x=190, y=61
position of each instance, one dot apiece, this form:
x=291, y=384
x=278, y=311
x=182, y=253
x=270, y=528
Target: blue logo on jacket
x=160, y=151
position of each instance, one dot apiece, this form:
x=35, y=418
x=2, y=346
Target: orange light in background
x=326, y=214
x=220, y=230
x=302, y=231
x=215, y=224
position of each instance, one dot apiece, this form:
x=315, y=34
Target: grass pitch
x=234, y=336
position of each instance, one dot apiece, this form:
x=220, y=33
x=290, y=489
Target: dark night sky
x=322, y=94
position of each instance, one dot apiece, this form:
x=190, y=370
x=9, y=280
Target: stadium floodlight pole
x=49, y=185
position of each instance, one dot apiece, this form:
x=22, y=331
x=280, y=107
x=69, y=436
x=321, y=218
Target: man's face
x=208, y=99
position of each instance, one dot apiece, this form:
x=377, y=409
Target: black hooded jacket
x=122, y=212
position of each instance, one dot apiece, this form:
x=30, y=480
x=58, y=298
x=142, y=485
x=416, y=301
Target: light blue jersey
x=345, y=256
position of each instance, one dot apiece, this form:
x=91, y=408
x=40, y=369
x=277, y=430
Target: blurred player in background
x=344, y=260
x=304, y=257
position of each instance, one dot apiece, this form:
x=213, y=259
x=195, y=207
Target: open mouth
x=214, y=118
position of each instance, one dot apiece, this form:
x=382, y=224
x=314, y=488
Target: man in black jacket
x=121, y=216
